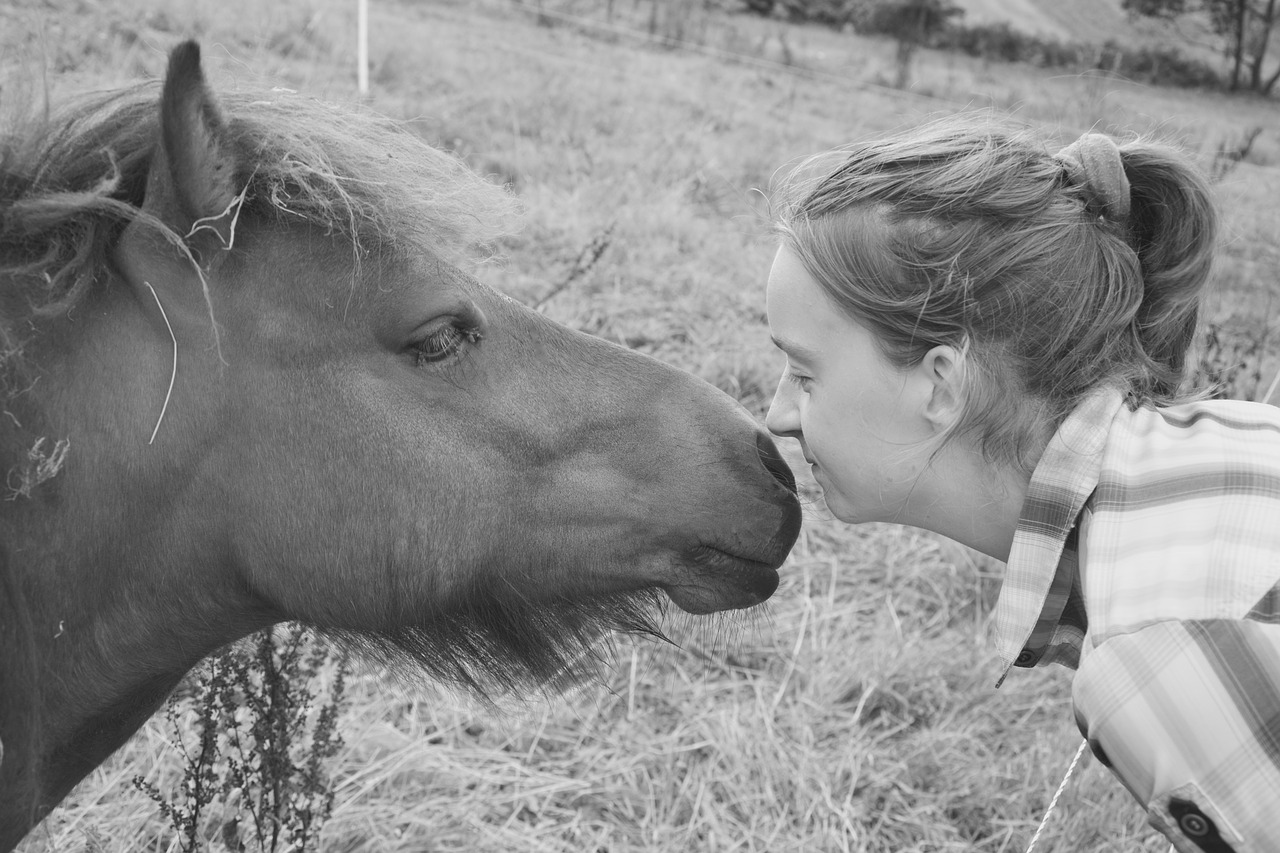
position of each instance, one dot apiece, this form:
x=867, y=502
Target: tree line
x=1240, y=29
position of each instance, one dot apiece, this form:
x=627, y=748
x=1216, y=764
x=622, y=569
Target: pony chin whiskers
x=493, y=644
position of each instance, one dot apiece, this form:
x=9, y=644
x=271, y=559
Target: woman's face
x=859, y=419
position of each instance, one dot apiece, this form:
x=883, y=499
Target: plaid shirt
x=1148, y=558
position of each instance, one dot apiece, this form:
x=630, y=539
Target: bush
x=918, y=21
x=1158, y=64
x=830, y=13
x=1000, y=42
x=997, y=42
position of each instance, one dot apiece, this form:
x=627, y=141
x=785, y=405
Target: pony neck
x=79, y=678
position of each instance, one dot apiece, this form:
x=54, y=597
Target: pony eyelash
x=456, y=348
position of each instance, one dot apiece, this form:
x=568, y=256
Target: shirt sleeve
x=1187, y=715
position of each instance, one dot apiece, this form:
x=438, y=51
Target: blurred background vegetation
x=1223, y=44
x=856, y=710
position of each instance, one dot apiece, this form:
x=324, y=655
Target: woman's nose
x=783, y=419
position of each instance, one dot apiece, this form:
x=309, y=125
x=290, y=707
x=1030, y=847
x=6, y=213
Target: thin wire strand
x=173, y=375
x=1044, y=821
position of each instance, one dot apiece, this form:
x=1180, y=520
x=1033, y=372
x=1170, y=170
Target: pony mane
x=71, y=181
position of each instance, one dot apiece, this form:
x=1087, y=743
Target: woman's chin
x=841, y=506
x=849, y=512
x=838, y=508
x=841, y=514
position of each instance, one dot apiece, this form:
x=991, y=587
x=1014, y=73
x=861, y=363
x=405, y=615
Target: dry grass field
x=856, y=710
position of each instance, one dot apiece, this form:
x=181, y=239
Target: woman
x=988, y=340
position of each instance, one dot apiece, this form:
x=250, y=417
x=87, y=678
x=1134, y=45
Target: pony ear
x=191, y=185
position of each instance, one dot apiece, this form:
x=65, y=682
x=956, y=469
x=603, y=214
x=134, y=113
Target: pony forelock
x=70, y=181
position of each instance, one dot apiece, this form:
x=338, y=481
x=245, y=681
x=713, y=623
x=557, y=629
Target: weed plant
x=255, y=746
x=1233, y=363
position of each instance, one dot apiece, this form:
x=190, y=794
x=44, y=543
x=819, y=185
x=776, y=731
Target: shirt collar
x=1063, y=479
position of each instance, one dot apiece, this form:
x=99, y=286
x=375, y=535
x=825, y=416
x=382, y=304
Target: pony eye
x=443, y=343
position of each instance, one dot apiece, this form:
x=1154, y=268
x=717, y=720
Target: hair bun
x=1093, y=164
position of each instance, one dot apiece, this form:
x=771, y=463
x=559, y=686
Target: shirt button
x=1194, y=824
x=1026, y=657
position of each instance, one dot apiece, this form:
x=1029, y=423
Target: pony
x=246, y=380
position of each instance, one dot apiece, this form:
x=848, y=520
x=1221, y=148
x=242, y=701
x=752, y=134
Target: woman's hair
x=1025, y=261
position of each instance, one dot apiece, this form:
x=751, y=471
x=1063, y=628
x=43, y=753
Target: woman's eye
x=798, y=379
x=443, y=343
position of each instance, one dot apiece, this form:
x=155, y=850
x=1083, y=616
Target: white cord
x=174, y=374
x=1056, y=794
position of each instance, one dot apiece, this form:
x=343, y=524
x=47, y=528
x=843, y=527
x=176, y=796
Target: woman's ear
x=943, y=367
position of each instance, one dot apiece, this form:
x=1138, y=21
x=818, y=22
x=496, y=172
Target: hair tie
x=1093, y=164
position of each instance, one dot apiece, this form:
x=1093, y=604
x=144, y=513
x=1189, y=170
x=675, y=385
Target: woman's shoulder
x=1229, y=414
x=1185, y=518
x=1209, y=426
x=1179, y=449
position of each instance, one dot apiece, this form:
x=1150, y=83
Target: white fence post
x=362, y=46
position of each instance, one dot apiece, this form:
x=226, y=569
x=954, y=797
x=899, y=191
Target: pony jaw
x=720, y=579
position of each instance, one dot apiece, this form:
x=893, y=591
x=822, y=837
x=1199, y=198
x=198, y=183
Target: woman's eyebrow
x=794, y=350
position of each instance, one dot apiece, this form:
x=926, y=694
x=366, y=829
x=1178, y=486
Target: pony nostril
x=773, y=462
